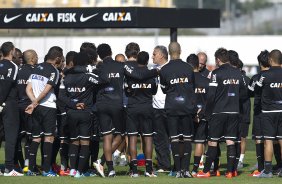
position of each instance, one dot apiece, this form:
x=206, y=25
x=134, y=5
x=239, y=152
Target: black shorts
x=62, y=124
x=44, y=121
x=111, y=119
x=25, y=121
x=272, y=125
x=140, y=121
x=224, y=126
x=201, y=132
x=257, y=129
x=180, y=127
x=79, y=124
x=243, y=129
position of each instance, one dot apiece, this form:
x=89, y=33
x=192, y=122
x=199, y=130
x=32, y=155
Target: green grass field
x=243, y=178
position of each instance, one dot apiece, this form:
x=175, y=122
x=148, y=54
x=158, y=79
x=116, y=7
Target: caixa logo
x=117, y=17
x=50, y=17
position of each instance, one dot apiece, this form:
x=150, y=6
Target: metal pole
x=173, y=34
x=200, y=4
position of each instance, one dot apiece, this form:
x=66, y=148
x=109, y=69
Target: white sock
x=63, y=167
x=241, y=159
x=202, y=158
x=26, y=162
x=123, y=156
x=116, y=153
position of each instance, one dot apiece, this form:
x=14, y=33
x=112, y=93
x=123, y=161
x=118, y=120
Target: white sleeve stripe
x=16, y=71
x=213, y=84
x=58, y=76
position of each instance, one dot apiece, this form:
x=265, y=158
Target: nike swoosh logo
x=7, y=20
x=84, y=19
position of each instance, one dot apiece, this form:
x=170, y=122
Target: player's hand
x=80, y=106
x=2, y=107
x=29, y=109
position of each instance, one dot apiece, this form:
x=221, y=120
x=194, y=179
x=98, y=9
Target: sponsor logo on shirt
x=37, y=77
x=230, y=81
x=114, y=75
x=117, y=17
x=128, y=69
x=276, y=85
x=76, y=89
x=9, y=72
x=179, y=80
x=22, y=81
x=52, y=76
x=91, y=79
x=180, y=99
x=142, y=86
x=200, y=90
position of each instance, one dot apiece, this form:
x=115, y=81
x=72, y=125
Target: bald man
x=203, y=58
x=120, y=58
x=30, y=59
x=177, y=82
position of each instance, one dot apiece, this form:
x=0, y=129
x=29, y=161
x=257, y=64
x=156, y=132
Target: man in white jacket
x=161, y=139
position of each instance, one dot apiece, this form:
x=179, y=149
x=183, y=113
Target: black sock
x=64, y=154
x=110, y=165
x=231, y=157
x=32, y=155
x=186, y=155
x=94, y=150
x=47, y=150
x=149, y=166
x=277, y=153
x=176, y=156
x=73, y=155
x=260, y=157
x=216, y=164
x=210, y=157
x=55, y=150
x=238, y=153
x=267, y=167
x=133, y=164
x=20, y=155
x=103, y=159
x=41, y=151
x=197, y=160
x=83, y=158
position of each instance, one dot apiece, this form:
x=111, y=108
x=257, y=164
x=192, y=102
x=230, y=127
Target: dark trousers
x=11, y=122
x=161, y=139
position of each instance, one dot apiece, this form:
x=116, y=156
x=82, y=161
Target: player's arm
x=163, y=83
x=243, y=90
x=138, y=73
x=98, y=76
x=63, y=96
x=209, y=106
x=52, y=82
x=251, y=88
x=154, y=87
x=9, y=81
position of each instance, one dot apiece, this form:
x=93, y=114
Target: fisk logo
x=117, y=17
